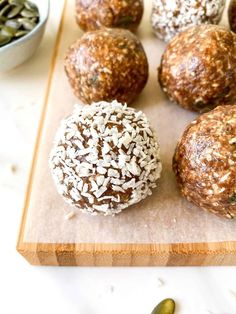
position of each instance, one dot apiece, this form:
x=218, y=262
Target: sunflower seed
x=28, y=13
x=15, y=11
x=4, y=40
x=167, y=306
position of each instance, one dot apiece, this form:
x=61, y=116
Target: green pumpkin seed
x=28, y=24
x=13, y=24
x=124, y=21
x=8, y=31
x=21, y=33
x=16, y=2
x=15, y=11
x=5, y=10
x=167, y=306
x=31, y=6
x=4, y=40
x=2, y=19
x=28, y=13
x=3, y=3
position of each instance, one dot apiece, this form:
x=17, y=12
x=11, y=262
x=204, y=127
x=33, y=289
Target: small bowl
x=17, y=52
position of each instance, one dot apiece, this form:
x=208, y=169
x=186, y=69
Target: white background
x=31, y=290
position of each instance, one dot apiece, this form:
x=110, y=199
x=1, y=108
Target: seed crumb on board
x=160, y=282
x=70, y=215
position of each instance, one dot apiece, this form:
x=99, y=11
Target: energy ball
x=205, y=161
x=198, y=68
x=232, y=15
x=107, y=64
x=94, y=14
x=105, y=158
x=170, y=17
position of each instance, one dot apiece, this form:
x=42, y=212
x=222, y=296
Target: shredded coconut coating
x=95, y=14
x=198, y=68
x=169, y=17
x=205, y=161
x=107, y=64
x=105, y=158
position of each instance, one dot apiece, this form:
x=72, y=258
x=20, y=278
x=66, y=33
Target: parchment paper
x=165, y=217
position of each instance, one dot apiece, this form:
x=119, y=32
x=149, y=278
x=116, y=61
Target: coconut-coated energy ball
x=105, y=158
x=94, y=14
x=169, y=17
x=205, y=161
x=107, y=64
x=198, y=68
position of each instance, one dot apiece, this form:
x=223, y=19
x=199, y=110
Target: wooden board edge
x=178, y=254
x=40, y=127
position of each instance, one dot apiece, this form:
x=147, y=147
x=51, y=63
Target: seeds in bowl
x=17, y=19
x=105, y=158
x=107, y=64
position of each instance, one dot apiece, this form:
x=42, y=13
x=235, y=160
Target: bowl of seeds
x=22, y=24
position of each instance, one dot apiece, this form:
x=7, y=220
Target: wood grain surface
x=112, y=254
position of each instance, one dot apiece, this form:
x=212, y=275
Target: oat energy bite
x=232, y=15
x=170, y=17
x=198, y=68
x=94, y=14
x=205, y=161
x=105, y=158
x=107, y=64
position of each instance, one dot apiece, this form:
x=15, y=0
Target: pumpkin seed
x=16, y=2
x=17, y=18
x=31, y=6
x=13, y=24
x=27, y=24
x=15, y=11
x=166, y=306
x=3, y=3
x=124, y=21
x=2, y=19
x=4, y=40
x=8, y=31
x=5, y=10
x=28, y=13
x=21, y=33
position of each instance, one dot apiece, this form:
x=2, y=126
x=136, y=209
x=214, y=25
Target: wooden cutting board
x=164, y=229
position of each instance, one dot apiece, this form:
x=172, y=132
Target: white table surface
x=73, y=290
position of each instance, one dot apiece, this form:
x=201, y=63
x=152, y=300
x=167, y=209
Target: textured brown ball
x=107, y=64
x=94, y=14
x=198, y=68
x=105, y=158
x=232, y=15
x=205, y=161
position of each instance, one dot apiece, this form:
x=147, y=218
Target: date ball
x=106, y=65
x=205, y=161
x=94, y=14
x=232, y=15
x=198, y=68
x=173, y=16
x=105, y=158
